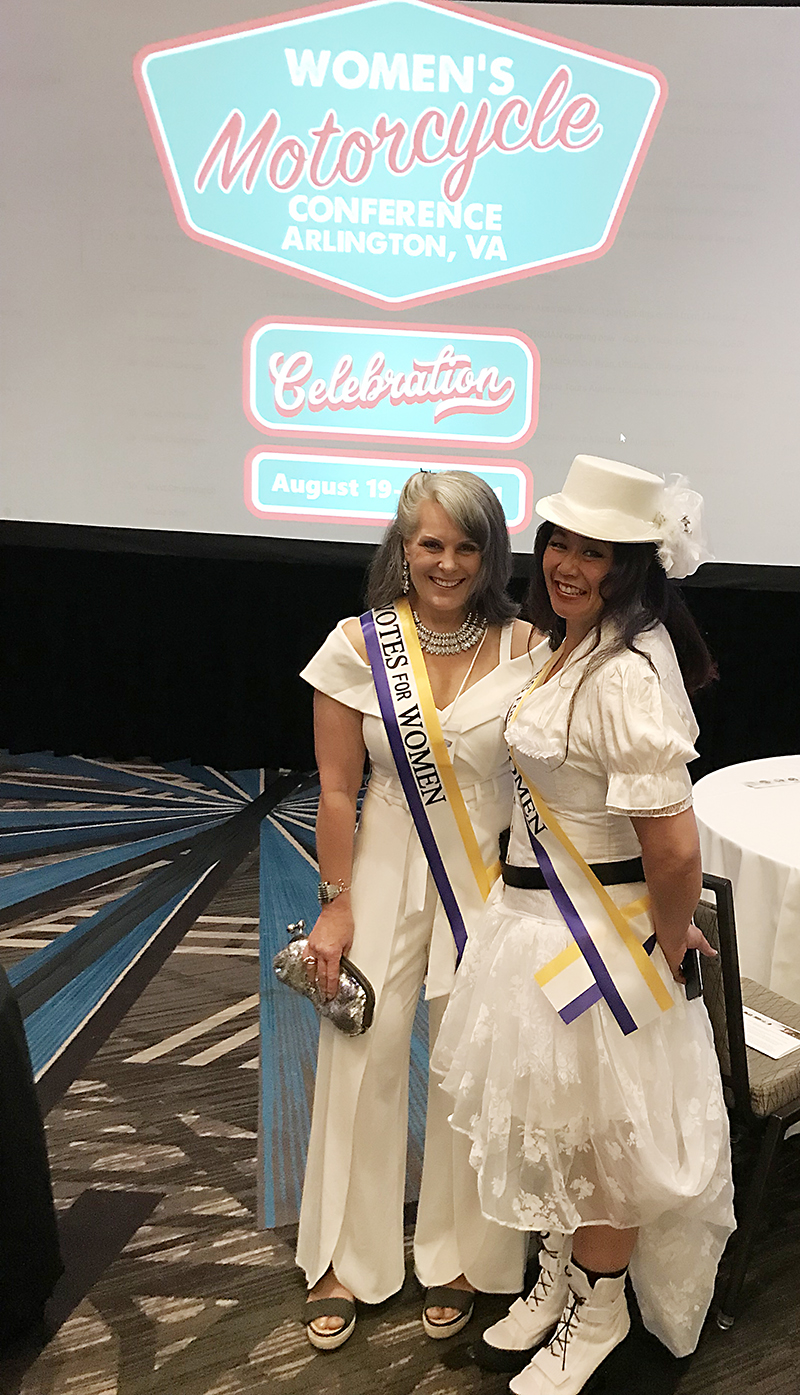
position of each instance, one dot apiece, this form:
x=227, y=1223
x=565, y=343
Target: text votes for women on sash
x=409, y=717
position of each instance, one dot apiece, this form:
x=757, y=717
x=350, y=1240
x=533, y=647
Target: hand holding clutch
x=352, y=1007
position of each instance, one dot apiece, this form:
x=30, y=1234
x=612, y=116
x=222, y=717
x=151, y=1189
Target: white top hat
x=608, y=500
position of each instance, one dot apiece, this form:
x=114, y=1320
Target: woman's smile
x=564, y=589
x=443, y=566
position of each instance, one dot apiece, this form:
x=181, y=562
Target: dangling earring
x=406, y=576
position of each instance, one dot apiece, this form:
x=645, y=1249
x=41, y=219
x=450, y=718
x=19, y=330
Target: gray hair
x=475, y=509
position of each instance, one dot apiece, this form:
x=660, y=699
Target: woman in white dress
x=448, y=552
x=610, y=1140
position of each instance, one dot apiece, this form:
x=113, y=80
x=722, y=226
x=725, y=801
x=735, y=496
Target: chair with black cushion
x=762, y=1094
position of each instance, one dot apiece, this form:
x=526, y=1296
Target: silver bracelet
x=328, y=891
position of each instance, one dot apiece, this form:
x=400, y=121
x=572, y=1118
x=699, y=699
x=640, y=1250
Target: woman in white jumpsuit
x=448, y=550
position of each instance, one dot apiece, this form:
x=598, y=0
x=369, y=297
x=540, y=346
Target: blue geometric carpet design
x=136, y=852
x=289, y=1027
x=130, y=855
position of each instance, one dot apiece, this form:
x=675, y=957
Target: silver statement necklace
x=451, y=641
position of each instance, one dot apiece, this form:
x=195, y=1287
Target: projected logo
x=430, y=383
x=398, y=150
x=361, y=488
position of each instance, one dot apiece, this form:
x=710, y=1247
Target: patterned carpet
x=171, y=1283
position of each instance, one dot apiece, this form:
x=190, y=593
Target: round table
x=749, y=821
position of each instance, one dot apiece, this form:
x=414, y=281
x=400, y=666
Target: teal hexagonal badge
x=398, y=150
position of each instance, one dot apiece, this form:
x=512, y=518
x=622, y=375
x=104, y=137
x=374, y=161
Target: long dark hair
x=637, y=596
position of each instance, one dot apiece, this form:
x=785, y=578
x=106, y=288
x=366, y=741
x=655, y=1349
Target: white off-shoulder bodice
x=472, y=725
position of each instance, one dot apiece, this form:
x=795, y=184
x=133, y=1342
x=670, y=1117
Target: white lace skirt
x=575, y=1125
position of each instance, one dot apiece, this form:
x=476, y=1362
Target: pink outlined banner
x=420, y=384
x=398, y=150
x=363, y=487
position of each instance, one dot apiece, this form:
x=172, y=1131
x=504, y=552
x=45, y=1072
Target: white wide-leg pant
x=352, y=1210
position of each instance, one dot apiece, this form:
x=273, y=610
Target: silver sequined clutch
x=351, y=1009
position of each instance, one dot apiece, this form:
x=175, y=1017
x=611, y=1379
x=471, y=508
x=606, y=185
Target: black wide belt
x=607, y=873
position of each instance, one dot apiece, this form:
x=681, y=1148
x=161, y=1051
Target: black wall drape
x=116, y=655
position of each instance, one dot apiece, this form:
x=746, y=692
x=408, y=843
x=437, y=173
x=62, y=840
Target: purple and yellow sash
x=609, y=956
x=424, y=766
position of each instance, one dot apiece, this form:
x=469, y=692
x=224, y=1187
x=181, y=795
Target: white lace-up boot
x=505, y=1345
x=594, y=1321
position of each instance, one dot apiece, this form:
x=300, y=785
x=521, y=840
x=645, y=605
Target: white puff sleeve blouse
x=611, y=748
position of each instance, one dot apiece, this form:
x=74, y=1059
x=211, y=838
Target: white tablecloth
x=749, y=821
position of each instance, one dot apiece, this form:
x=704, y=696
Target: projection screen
x=260, y=264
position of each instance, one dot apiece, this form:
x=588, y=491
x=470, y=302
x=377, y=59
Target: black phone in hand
x=690, y=968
